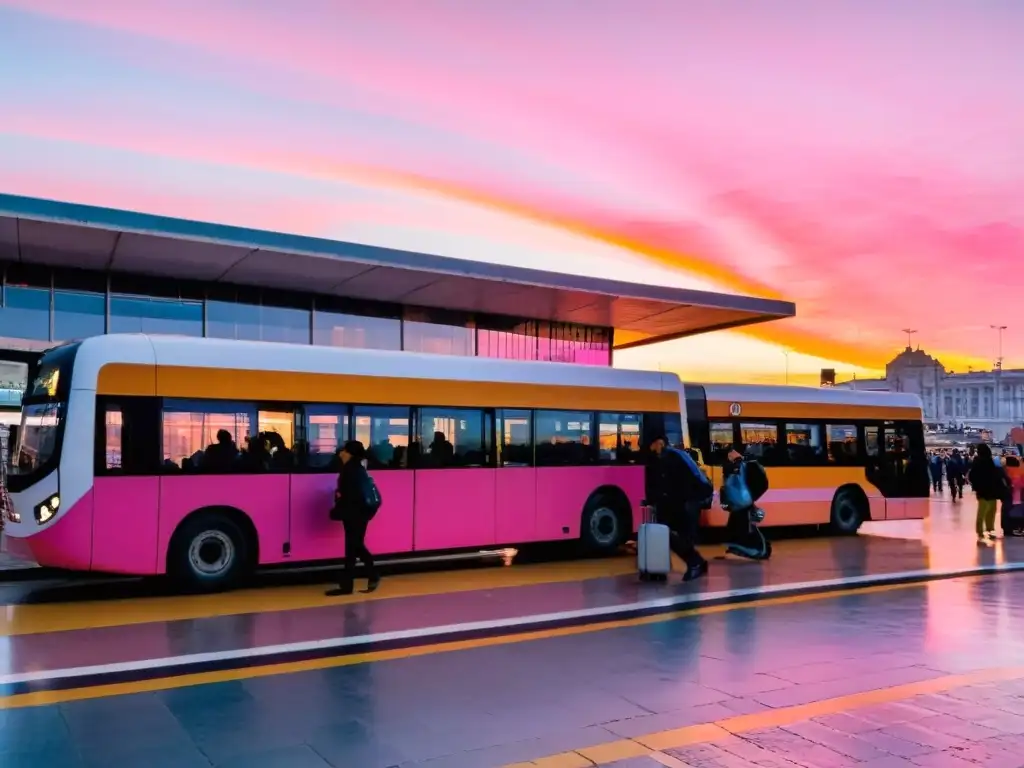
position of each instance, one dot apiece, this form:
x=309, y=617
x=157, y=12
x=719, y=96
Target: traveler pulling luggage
x=653, y=548
x=745, y=483
x=679, y=490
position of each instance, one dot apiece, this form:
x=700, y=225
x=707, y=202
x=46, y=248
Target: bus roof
x=179, y=351
x=761, y=393
x=89, y=237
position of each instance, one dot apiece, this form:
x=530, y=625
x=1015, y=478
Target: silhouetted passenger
x=384, y=451
x=442, y=452
x=257, y=457
x=280, y=456
x=220, y=456
x=351, y=509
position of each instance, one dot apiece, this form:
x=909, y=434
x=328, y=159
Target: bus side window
x=722, y=440
x=384, y=432
x=320, y=430
x=453, y=437
x=804, y=445
x=563, y=438
x=842, y=444
x=514, y=429
x=112, y=439
x=618, y=438
x=761, y=441
x=127, y=436
x=872, y=442
x=211, y=437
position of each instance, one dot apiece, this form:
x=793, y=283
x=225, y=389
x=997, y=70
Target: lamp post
x=786, y=353
x=999, y=357
x=998, y=396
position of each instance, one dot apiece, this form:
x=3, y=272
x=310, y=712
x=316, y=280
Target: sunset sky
x=863, y=160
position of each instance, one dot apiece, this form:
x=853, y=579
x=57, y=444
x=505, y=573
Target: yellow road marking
x=59, y=617
x=654, y=744
x=202, y=678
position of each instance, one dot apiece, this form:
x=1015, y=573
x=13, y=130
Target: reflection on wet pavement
x=926, y=674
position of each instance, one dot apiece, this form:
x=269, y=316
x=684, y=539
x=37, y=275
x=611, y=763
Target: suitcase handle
x=648, y=512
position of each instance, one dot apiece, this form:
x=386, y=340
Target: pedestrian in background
x=991, y=485
x=956, y=468
x=935, y=467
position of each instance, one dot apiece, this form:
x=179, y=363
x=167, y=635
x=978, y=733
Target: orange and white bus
x=205, y=458
x=833, y=457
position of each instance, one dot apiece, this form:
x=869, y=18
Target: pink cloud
x=863, y=161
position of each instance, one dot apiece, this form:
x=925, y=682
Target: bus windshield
x=44, y=408
x=37, y=437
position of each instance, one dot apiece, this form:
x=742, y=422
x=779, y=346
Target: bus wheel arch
x=850, y=508
x=213, y=548
x=607, y=520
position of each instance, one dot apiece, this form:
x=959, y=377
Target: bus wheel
x=847, y=512
x=602, y=530
x=208, y=553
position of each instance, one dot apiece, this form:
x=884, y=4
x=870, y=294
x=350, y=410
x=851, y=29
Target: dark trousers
x=355, y=548
x=683, y=541
x=741, y=533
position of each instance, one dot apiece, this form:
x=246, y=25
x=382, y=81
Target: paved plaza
x=900, y=647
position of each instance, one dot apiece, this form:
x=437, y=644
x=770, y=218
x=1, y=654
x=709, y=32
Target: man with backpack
x=356, y=501
x=745, y=483
x=680, y=491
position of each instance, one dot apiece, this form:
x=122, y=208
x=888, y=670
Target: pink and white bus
x=205, y=458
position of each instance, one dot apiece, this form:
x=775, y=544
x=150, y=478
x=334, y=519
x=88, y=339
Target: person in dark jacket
x=678, y=497
x=991, y=485
x=350, y=508
x=956, y=468
x=935, y=466
x=742, y=536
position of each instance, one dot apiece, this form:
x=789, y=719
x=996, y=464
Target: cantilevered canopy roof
x=65, y=234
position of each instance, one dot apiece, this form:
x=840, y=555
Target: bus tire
x=602, y=528
x=848, y=511
x=209, y=552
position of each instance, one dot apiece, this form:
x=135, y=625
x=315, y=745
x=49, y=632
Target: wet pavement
x=902, y=674
x=58, y=659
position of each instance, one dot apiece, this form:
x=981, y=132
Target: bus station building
x=70, y=271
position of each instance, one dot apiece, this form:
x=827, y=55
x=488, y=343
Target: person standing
x=680, y=491
x=935, y=470
x=991, y=486
x=956, y=468
x=352, y=510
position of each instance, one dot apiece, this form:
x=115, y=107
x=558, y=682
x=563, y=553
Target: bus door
x=903, y=459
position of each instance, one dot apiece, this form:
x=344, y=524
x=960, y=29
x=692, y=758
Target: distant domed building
x=983, y=399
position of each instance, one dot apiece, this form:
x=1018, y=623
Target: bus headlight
x=46, y=510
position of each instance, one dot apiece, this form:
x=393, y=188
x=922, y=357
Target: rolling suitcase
x=653, y=553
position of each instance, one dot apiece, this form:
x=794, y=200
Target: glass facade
x=340, y=329
x=438, y=333
x=57, y=305
x=77, y=314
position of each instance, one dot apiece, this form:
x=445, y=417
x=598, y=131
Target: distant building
x=984, y=399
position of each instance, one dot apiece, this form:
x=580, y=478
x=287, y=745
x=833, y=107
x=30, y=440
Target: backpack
x=756, y=477
x=707, y=489
x=370, y=493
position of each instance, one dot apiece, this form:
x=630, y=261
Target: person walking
x=935, y=467
x=956, y=468
x=680, y=491
x=352, y=509
x=991, y=486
